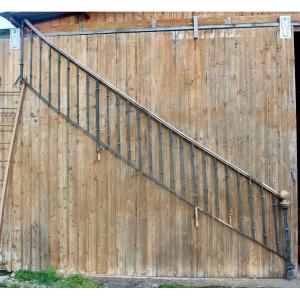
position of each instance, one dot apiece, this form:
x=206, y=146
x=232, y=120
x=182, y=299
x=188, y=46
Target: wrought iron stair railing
x=155, y=148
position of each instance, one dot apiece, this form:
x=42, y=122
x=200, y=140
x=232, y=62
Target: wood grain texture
x=220, y=91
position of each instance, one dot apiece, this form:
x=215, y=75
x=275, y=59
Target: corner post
x=22, y=52
x=284, y=204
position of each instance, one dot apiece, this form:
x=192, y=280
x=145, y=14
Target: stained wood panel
x=195, y=250
x=219, y=90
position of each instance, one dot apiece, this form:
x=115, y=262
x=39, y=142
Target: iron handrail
x=150, y=113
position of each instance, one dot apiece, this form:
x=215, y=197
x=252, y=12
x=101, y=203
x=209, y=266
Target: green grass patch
x=7, y=285
x=51, y=279
x=173, y=285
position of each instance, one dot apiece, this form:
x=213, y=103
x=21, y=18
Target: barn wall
x=231, y=90
x=67, y=210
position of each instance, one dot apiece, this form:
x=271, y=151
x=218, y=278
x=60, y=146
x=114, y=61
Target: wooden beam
x=9, y=158
x=85, y=26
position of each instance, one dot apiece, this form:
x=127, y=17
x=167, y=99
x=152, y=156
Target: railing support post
x=21, y=77
x=285, y=207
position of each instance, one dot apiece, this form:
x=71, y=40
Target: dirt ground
x=150, y=282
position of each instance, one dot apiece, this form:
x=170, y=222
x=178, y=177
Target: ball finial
x=284, y=194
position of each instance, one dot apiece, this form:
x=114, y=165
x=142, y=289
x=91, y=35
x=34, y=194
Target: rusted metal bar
x=228, y=195
x=40, y=67
x=68, y=88
x=118, y=128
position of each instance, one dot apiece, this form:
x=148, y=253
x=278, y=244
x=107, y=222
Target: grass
x=173, y=285
x=51, y=279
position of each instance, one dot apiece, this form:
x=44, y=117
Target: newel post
x=284, y=204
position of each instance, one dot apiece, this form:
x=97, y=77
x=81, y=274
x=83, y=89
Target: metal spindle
x=182, y=171
x=40, y=67
x=49, y=74
x=30, y=58
x=68, y=88
x=87, y=102
x=228, y=196
x=240, y=203
x=77, y=96
x=58, y=81
x=107, y=118
x=149, y=142
x=263, y=216
x=205, y=186
x=118, y=124
x=172, y=168
x=22, y=51
x=128, y=131
x=275, y=218
x=97, y=115
x=161, y=162
x=194, y=176
x=216, y=186
x=139, y=138
x=251, y=206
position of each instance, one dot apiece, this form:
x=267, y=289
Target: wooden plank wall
x=68, y=210
x=232, y=90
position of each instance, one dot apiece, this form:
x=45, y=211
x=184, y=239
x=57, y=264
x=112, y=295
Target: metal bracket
x=285, y=27
x=195, y=24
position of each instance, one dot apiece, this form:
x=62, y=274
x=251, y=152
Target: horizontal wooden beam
x=83, y=26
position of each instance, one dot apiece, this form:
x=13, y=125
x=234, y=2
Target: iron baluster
x=107, y=118
x=263, y=216
x=182, y=171
x=194, y=176
x=49, y=74
x=275, y=219
x=149, y=140
x=87, y=102
x=68, y=88
x=240, y=203
x=77, y=95
x=40, y=67
x=128, y=131
x=118, y=128
x=216, y=186
x=205, y=187
x=161, y=162
x=58, y=81
x=97, y=115
x=139, y=138
x=30, y=59
x=251, y=206
x=228, y=196
x=172, y=168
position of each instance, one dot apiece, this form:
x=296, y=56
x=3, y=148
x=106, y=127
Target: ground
x=52, y=279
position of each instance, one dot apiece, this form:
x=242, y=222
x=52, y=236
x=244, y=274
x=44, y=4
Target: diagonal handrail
x=150, y=113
